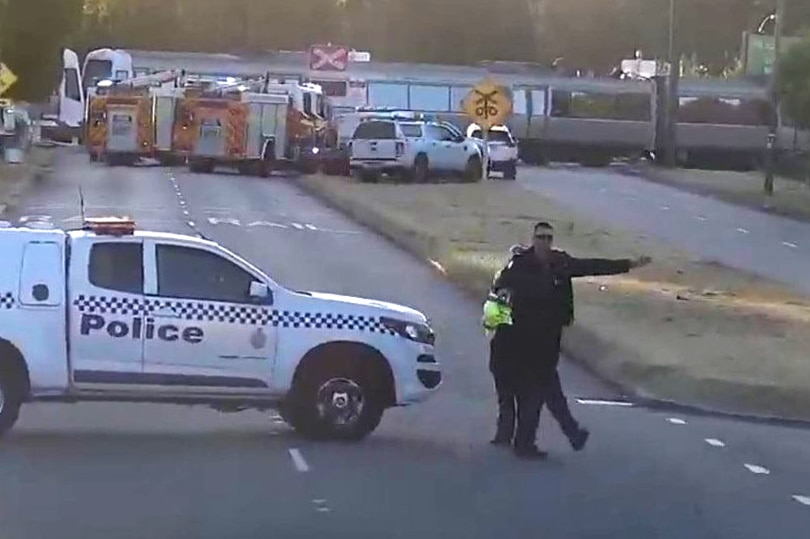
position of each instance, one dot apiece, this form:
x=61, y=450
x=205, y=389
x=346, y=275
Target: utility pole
x=674, y=59
x=770, y=156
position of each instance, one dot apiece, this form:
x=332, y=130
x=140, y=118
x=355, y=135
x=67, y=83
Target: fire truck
x=134, y=118
x=255, y=126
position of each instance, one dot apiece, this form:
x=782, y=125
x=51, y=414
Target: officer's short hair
x=543, y=224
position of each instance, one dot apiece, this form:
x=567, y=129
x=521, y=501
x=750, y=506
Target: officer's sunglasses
x=544, y=237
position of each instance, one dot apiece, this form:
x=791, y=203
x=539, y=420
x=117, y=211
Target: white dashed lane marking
x=676, y=421
x=742, y=231
x=714, y=442
x=789, y=244
x=599, y=402
x=804, y=500
x=701, y=218
x=759, y=470
x=298, y=460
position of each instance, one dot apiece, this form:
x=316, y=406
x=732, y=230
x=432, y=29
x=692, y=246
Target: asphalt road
x=771, y=246
x=125, y=470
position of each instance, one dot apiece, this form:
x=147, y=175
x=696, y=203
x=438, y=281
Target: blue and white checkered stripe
x=7, y=300
x=202, y=311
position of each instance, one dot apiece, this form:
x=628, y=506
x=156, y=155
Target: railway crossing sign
x=7, y=78
x=328, y=58
x=487, y=104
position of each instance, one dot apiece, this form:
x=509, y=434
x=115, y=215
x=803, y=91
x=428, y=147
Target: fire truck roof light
x=110, y=226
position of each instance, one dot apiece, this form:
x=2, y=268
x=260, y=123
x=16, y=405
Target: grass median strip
x=681, y=329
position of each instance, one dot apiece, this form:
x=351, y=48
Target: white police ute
x=110, y=313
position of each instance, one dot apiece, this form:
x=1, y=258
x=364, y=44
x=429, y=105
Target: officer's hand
x=640, y=262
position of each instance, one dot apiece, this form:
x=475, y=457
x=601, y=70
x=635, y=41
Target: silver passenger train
x=587, y=120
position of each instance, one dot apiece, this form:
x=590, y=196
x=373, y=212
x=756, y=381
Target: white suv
x=414, y=150
x=503, y=150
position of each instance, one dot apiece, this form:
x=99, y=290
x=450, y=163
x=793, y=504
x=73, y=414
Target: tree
x=33, y=34
x=794, y=85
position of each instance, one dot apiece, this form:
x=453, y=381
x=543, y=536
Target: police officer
x=526, y=352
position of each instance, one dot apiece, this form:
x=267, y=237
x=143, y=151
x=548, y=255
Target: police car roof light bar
x=110, y=226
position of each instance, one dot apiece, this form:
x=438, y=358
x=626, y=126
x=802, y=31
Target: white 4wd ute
x=108, y=313
x=414, y=150
x=503, y=150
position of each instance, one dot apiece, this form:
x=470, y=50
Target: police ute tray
x=110, y=226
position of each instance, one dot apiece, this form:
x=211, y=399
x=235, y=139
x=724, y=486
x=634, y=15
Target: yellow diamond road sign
x=7, y=78
x=487, y=104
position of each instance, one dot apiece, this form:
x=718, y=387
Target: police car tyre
x=473, y=170
x=510, y=172
x=421, y=169
x=369, y=176
x=337, y=402
x=9, y=401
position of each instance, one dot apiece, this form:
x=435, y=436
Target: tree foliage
x=795, y=83
x=588, y=34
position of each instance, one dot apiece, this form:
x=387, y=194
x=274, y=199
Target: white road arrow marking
x=267, y=223
x=225, y=220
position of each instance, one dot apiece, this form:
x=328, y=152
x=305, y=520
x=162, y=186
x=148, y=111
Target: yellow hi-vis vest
x=496, y=313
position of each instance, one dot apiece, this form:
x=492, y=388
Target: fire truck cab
x=123, y=123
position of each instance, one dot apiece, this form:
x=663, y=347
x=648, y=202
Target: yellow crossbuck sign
x=487, y=104
x=7, y=78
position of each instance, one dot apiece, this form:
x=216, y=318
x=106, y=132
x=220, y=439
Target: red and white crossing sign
x=328, y=58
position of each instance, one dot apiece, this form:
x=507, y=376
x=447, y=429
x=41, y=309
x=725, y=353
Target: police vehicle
x=111, y=313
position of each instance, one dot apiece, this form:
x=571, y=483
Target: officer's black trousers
x=507, y=405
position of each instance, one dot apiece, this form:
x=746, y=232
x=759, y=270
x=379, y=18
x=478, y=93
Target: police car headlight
x=316, y=150
x=420, y=333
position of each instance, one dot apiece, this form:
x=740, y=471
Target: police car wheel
x=473, y=171
x=337, y=405
x=9, y=404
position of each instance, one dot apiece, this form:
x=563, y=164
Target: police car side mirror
x=261, y=293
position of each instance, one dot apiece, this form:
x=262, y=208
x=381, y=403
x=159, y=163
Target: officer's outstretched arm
x=585, y=267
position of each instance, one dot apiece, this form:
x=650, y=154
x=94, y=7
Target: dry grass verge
x=680, y=329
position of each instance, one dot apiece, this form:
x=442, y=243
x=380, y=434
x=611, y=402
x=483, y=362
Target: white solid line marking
x=676, y=421
x=298, y=460
x=714, y=442
x=311, y=227
x=701, y=218
x=298, y=226
x=438, y=266
x=791, y=245
x=742, y=231
x=759, y=470
x=805, y=500
x=599, y=402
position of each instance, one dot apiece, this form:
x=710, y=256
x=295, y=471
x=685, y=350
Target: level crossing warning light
x=110, y=226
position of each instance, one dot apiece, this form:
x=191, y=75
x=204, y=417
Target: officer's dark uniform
x=525, y=355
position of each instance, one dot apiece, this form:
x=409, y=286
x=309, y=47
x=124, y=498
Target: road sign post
x=488, y=104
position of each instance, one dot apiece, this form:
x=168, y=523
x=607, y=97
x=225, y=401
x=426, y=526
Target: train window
x=519, y=104
x=457, y=95
x=332, y=88
x=538, y=103
x=429, y=98
x=388, y=94
x=723, y=111
x=589, y=105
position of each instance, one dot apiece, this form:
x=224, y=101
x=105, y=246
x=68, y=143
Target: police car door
x=106, y=307
x=208, y=334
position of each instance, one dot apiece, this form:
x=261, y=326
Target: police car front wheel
x=333, y=405
x=9, y=403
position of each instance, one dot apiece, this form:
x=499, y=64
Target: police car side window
x=189, y=273
x=117, y=266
